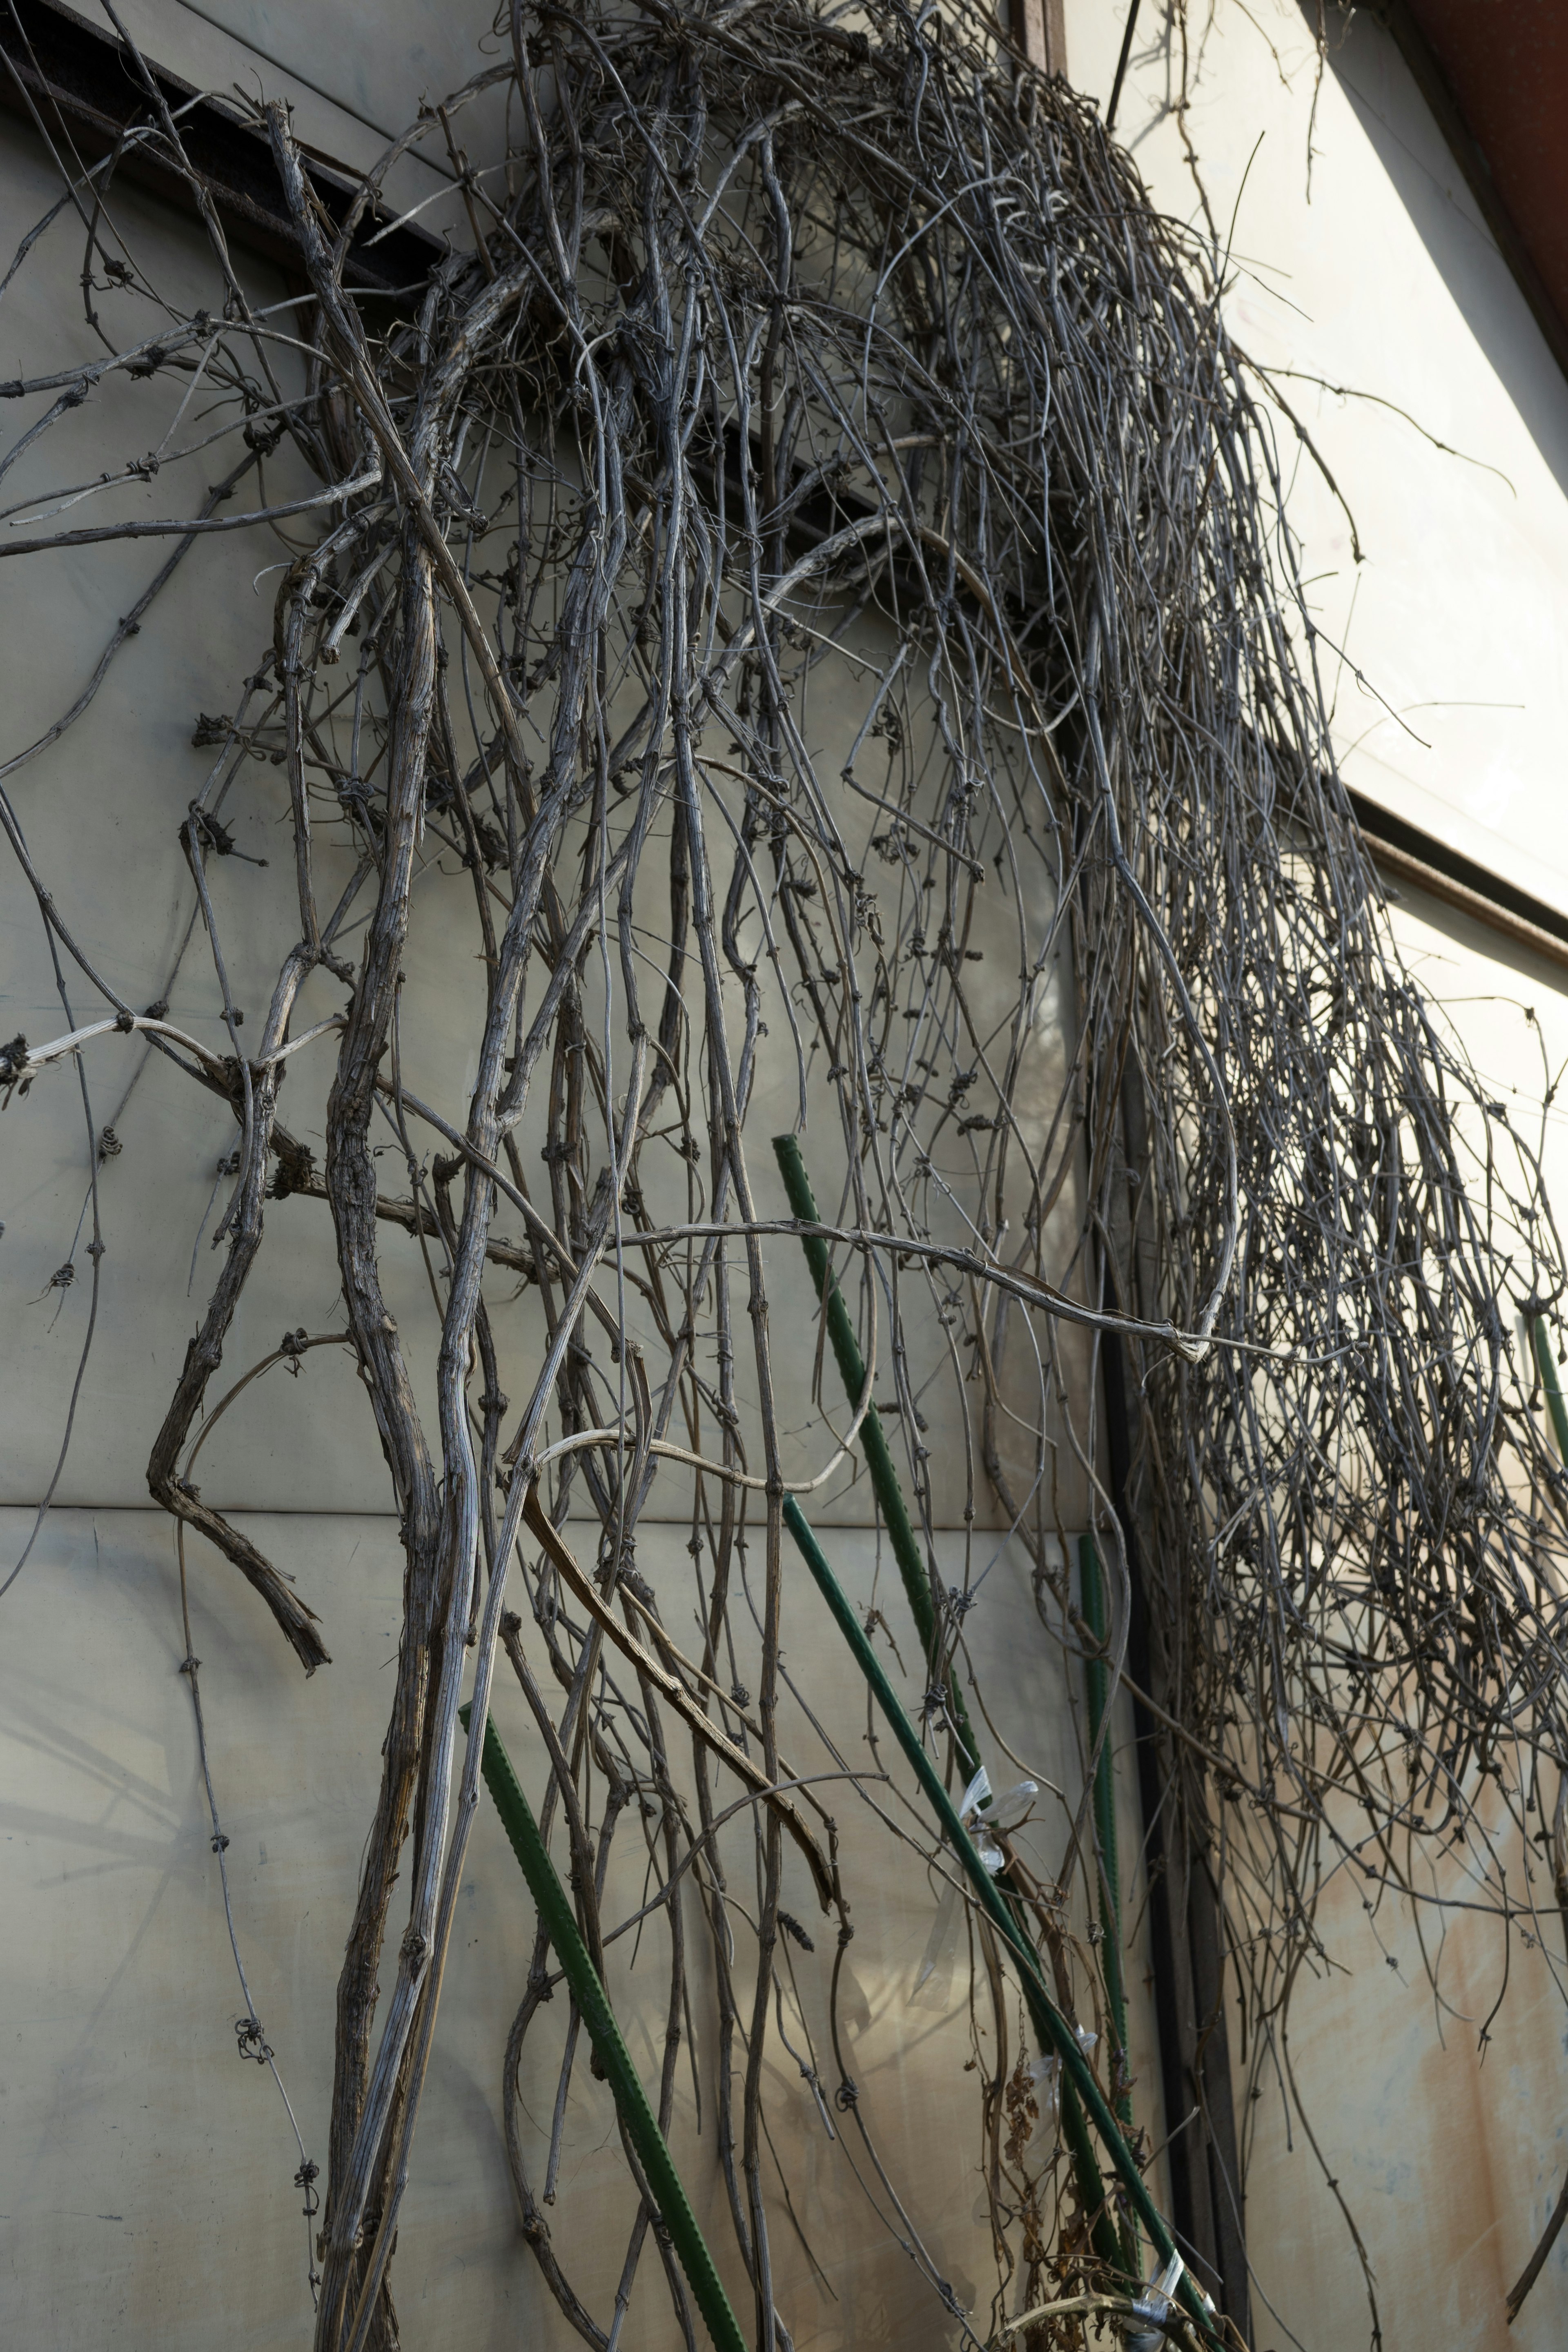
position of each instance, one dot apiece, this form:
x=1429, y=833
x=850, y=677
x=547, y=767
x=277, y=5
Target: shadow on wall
x=1430, y=184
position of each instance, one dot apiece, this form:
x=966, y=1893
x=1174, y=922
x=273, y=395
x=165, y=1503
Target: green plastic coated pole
x=559, y=1925
x=885, y=1484
x=1049, y=2024
x=1552, y=1384
x=889, y=1494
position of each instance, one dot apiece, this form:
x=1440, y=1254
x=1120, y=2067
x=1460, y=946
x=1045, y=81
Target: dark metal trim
x=85, y=85
x=1407, y=853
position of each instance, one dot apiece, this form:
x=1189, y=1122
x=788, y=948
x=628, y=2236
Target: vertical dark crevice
x=1192, y=2208
x=1201, y=2138
x=1212, y=2084
x=1186, y=1926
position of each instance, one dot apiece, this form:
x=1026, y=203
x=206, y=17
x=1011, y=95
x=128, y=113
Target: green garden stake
x=1552, y=1384
x=1081, y=2095
x=907, y=1549
x=560, y=1924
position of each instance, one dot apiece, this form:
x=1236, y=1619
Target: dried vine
x=830, y=379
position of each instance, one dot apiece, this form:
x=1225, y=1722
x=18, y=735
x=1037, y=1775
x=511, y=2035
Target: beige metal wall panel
x=146, y=2171
x=102, y=808
x=1358, y=258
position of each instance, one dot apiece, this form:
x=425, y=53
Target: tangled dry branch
x=829, y=380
